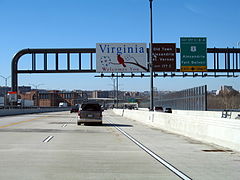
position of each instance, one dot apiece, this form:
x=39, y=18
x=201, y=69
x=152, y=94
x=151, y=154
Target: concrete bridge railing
x=205, y=126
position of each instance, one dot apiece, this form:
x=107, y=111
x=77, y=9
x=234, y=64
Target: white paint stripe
x=155, y=156
x=64, y=125
x=48, y=138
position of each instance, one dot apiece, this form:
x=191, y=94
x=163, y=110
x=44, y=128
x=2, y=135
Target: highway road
x=52, y=146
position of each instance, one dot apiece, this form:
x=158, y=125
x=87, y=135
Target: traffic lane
x=32, y=125
x=23, y=131
x=196, y=159
x=103, y=153
x=9, y=121
x=74, y=152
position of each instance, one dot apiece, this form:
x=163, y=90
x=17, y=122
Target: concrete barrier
x=206, y=126
x=9, y=112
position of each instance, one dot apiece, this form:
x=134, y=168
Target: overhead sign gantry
x=222, y=62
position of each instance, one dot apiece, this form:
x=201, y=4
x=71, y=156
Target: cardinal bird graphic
x=121, y=60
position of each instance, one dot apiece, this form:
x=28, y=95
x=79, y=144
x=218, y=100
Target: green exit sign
x=193, y=54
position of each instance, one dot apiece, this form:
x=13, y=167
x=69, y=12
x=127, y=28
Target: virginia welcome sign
x=121, y=57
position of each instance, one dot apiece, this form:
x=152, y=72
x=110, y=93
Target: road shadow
x=118, y=125
x=107, y=125
x=63, y=122
x=94, y=124
x=84, y=131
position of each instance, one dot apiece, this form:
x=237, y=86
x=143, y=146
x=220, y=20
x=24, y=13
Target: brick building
x=53, y=98
x=32, y=95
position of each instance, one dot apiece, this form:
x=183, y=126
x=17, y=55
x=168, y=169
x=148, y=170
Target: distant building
x=131, y=94
x=32, y=95
x=227, y=88
x=101, y=94
x=4, y=90
x=24, y=89
x=214, y=92
x=53, y=97
x=146, y=92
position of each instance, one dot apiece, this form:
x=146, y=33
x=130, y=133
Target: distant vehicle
x=25, y=103
x=158, y=108
x=62, y=104
x=131, y=106
x=90, y=113
x=168, y=110
x=74, y=109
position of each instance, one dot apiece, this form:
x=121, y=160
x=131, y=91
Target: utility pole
x=150, y=59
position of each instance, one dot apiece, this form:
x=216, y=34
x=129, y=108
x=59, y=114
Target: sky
x=83, y=23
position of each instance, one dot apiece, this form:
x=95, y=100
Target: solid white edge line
x=166, y=164
x=48, y=138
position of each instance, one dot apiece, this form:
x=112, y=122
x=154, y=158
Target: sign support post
x=117, y=90
x=150, y=60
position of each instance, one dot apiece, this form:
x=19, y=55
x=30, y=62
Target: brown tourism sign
x=164, y=57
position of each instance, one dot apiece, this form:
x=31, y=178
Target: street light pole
x=150, y=59
x=5, y=78
x=114, y=92
x=6, y=89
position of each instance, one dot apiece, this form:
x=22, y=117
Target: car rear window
x=91, y=107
